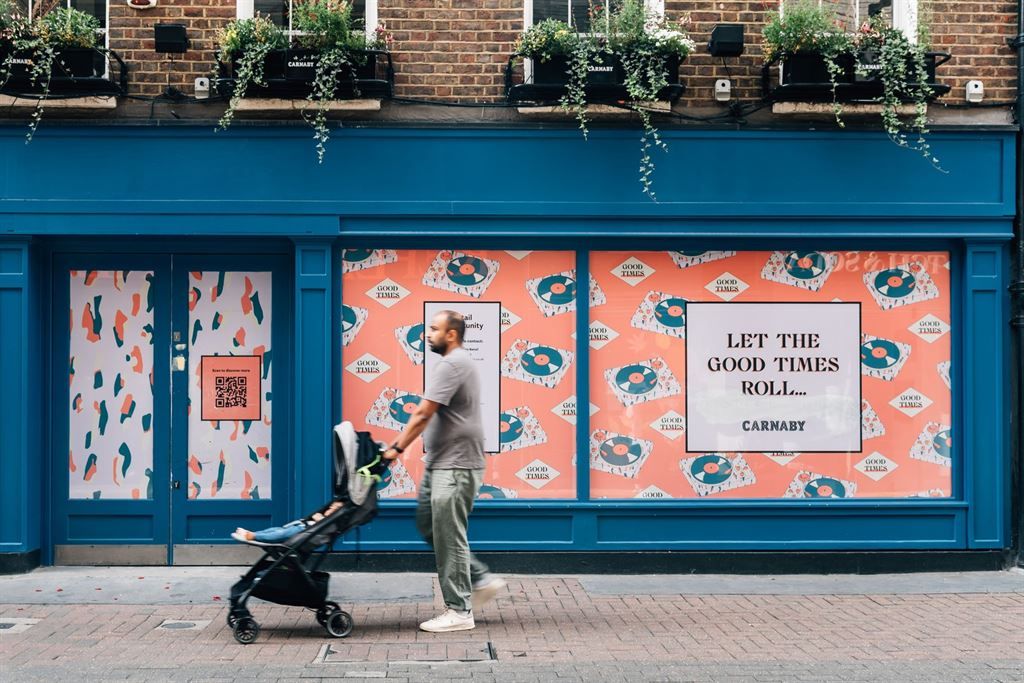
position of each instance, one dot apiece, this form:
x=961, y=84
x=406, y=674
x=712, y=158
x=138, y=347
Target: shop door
x=164, y=434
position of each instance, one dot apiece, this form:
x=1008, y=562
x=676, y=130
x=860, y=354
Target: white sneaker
x=487, y=591
x=449, y=621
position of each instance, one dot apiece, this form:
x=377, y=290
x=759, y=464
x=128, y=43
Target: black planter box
x=290, y=73
x=606, y=81
x=805, y=78
x=76, y=70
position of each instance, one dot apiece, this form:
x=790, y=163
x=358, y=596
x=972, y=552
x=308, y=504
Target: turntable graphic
x=356, y=255
x=510, y=429
x=711, y=469
x=942, y=444
x=414, y=337
x=541, y=361
x=895, y=283
x=621, y=451
x=671, y=312
x=403, y=407
x=466, y=271
x=348, y=318
x=557, y=290
x=879, y=354
x=636, y=379
x=805, y=265
x=692, y=254
x=825, y=487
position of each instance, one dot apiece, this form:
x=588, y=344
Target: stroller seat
x=288, y=571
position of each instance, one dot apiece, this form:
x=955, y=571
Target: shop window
x=532, y=296
x=574, y=12
x=871, y=329
x=280, y=12
x=97, y=8
x=901, y=14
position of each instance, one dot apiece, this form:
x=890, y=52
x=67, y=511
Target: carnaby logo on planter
x=910, y=402
x=601, y=334
x=782, y=457
x=508, y=319
x=652, y=491
x=537, y=474
x=367, y=367
x=930, y=328
x=671, y=425
x=875, y=466
x=632, y=271
x=387, y=292
x=567, y=410
x=726, y=286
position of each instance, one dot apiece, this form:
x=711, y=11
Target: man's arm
x=414, y=427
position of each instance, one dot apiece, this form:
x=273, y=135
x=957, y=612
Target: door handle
x=178, y=363
x=176, y=485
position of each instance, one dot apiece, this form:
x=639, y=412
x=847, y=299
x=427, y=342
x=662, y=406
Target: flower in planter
x=646, y=46
x=244, y=45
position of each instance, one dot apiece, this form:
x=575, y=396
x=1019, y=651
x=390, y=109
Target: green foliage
x=247, y=42
x=547, y=39
x=803, y=26
x=67, y=27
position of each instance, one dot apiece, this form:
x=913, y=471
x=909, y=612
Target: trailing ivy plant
x=643, y=43
x=246, y=43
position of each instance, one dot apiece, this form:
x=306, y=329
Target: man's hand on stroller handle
x=417, y=423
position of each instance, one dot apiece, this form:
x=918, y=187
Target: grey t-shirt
x=454, y=438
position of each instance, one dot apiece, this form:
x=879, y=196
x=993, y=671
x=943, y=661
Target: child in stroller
x=288, y=572
x=276, y=534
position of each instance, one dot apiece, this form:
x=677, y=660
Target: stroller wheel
x=246, y=630
x=234, y=616
x=339, y=623
x=325, y=611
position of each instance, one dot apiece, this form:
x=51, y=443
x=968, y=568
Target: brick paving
x=542, y=628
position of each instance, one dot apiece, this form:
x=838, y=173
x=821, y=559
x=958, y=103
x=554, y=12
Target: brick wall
x=456, y=50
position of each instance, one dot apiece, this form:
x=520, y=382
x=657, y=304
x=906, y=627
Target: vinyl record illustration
x=692, y=254
x=824, y=487
x=467, y=270
x=356, y=255
x=942, y=443
x=510, y=429
x=895, y=282
x=671, y=312
x=403, y=406
x=879, y=354
x=348, y=318
x=711, y=469
x=414, y=337
x=489, y=491
x=805, y=265
x=557, y=289
x=385, y=479
x=636, y=379
x=541, y=361
x=620, y=450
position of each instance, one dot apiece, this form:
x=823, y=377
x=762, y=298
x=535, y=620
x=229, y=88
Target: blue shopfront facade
x=178, y=202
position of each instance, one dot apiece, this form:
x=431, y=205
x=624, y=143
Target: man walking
x=453, y=443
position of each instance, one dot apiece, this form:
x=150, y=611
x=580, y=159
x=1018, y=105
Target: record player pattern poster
x=638, y=374
x=383, y=349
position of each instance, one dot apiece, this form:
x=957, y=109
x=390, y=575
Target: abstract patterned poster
x=383, y=354
x=110, y=380
x=638, y=374
x=230, y=314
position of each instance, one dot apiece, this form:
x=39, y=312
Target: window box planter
x=290, y=73
x=606, y=81
x=805, y=78
x=76, y=71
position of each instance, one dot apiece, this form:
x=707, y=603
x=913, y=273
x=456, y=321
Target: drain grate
x=15, y=625
x=409, y=652
x=182, y=625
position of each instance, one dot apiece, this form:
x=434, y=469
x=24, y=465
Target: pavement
x=168, y=624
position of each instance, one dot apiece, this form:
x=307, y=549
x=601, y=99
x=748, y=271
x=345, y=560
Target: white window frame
x=904, y=16
x=105, y=31
x=245, y=9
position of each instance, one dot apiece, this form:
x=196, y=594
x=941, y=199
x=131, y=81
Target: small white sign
x=727, y=286
x=387, y=292
x=632, y=271
x=367, y=367
x=910, y=402
x=567, y=410
x=930, y=328
x=508, y=319
x=782, y=458
x=601, y=334
x=769, y=377
x=537, y=474
x=671, y=425
x=518, y=255
x=652, y=492
x=483, y=343
x=875, y=466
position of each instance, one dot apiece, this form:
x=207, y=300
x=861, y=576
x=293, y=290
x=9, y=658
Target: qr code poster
x=231, y=387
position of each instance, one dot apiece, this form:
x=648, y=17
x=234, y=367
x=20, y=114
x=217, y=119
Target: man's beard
x=439, y=348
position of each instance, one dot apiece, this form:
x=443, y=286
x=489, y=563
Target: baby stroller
x=288, y=572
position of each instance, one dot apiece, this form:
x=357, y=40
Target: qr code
x=231, y=392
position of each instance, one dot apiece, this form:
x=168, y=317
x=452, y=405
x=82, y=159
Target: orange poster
x=231, y=387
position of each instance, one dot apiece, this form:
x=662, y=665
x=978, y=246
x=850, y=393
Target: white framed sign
x=483, y=343
x=770, y=377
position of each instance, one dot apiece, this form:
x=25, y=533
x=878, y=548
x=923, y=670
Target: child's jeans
x=276, y=534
